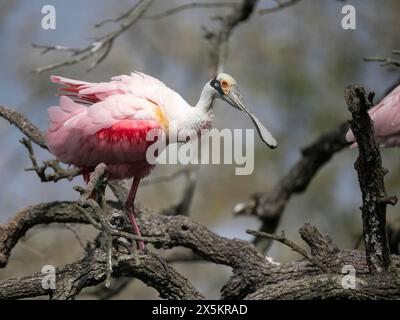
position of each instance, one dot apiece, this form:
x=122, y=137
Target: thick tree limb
x=370, y=176
x=328, y=287
x=253, y=277
x=251, y=271
x=72, y=278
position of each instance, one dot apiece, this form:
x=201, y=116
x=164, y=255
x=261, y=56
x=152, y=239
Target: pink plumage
x=386, y=118
x=109, y=122
x=105, y=122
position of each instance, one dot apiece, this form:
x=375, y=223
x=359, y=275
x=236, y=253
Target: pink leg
x=130, y=203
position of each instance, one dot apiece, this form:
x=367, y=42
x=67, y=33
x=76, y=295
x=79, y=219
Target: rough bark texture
x=254, y=276
x=319, y=276
x=370, y=176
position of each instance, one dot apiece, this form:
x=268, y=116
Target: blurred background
x=292, y=67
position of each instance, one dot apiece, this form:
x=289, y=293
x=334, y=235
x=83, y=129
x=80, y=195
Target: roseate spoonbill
x=386, y=119
x=107, y=122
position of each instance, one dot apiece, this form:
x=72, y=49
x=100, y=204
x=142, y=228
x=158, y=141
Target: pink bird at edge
x=386, y=118
x=107, y=122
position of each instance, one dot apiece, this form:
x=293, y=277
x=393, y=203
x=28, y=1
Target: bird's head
x=225, y=87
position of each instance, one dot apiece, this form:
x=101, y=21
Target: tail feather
x=68, y=82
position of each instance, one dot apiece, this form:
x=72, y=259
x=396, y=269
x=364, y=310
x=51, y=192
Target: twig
x=385, y=62
x=192, y=5
x=33, y=134
x=102, y=45
x=370, y=176
x=282, y=239
x=120, y=190
x=279, y=6
x=58, y=171
x=76, y=234
x=125, y=15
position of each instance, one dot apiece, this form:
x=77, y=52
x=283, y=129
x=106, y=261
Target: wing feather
x=110, y=131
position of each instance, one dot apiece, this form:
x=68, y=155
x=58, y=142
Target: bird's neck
x=198, y=117
x=206, y=99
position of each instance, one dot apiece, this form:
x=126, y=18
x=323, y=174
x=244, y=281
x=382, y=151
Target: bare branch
x=282, y=239
x=58, y=172
x=370, y=175
x=386, y=62
x=280, y=4
x=251, y=271
x=219, y=40
x=23, y=124
x=191, y=5
x=101, y=46
x=89, y=271
x=76, y=234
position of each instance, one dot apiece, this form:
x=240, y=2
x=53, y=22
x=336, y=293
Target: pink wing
x=112, y=131
x=137, y=84
x=386, y=119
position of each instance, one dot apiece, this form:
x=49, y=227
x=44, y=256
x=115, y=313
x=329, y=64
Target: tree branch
x=282, y=239
x=251, y=270
x=23, y=124
x=386, y=62
x=268, y=207
x=219, y=40
x=101, y=46
x=370, y=176
x=72, y=278
x=279, y=6
x=58, y=172
x=192, y=5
